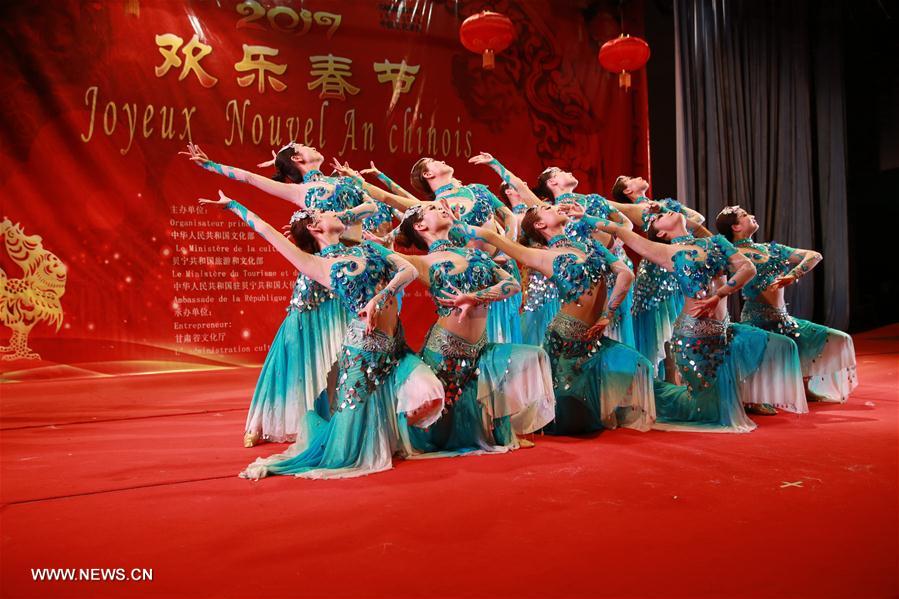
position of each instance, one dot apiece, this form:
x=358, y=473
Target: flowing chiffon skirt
x=378, y=380
x=493, y=393
x=598, y=384
x=705, y=357
x=657, y=304
x=294, y=376
x=827, y=355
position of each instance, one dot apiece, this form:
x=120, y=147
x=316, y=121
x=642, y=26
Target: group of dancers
x=542, y=324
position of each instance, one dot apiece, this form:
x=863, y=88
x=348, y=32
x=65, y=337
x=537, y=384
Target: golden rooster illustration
x=35, y=297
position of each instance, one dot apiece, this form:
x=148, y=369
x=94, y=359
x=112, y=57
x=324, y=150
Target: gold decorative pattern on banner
x=33, y=298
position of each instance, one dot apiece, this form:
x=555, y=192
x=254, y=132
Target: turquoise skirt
x=377, y=381
x=657, y=304
x=493, y=392
x=597, y=383
x=705, y=351
x=294, y=376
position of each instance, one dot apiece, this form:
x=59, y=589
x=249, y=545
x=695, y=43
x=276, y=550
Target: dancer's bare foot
x=250, y=439
x=526, y=442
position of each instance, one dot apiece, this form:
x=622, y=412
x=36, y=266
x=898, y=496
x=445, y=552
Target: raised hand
x=572, y=209
x=370, y=171
x=195, y=154
x=268, y=163
x=345, y=169
x=482, y=158
x=223, y=199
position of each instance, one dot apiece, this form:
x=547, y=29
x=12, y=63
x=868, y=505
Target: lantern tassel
x=489, y=60
x=624, y=80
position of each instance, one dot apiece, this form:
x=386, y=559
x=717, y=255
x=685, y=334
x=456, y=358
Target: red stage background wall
x=98, y=98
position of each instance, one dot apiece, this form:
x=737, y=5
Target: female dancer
x=598, y=382
x=713, y=357
x=377, y=378
x=475, y=204
x=493, y=391
x=657, y=297
x=558, y=186
x=827, y=355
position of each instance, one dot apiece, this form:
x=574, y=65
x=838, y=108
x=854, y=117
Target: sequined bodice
x=308, y=295
x=479, y=273
x=355, y=286
x=484, y=203
x=700, y=262
x=652, y=286
x=593, y=204
x=347, y=192
x=771, y=260
x=383, y=214
x=572, y=276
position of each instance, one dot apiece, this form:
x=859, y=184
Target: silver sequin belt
x=760, y=311
x=449, y=344
x=376, y=341
x=569, y=327
x=690, y=326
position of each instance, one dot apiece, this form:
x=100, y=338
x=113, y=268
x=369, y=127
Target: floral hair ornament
x=730, y=209
x=414, y=210
x=303, y=214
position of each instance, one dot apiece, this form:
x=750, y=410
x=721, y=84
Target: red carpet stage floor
x=140, y=472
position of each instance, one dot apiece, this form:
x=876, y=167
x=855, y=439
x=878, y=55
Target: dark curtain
x=761, y=123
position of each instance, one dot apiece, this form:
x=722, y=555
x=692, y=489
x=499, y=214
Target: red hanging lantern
x=487, y=33
x=622, y=55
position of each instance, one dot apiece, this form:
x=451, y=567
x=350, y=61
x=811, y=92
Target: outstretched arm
x=286, y=191
x=358, y=213
x=527, y=196
x=393, y=200
x=539, y=260
x=658, y=253
x=389, y=183
x=314, y=267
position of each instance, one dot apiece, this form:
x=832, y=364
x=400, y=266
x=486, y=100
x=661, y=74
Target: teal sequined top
x=355, y=289
x=695, y=267
x=771, y=261
x=479, y=274
x=572, y=277
x=383, y=214
x=485, y=204
x=347, y=192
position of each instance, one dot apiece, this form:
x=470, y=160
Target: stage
x=140, y=471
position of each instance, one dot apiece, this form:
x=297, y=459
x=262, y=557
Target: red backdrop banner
x=110, y=265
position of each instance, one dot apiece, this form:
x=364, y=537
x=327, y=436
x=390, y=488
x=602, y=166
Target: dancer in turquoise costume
x=494, y=392
x=657, y=297
x=714, y=358
x=827, y=355
x=304, y=351
x=598, y=382
x=475, y=204
x=558, y=186
x=377, y=378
